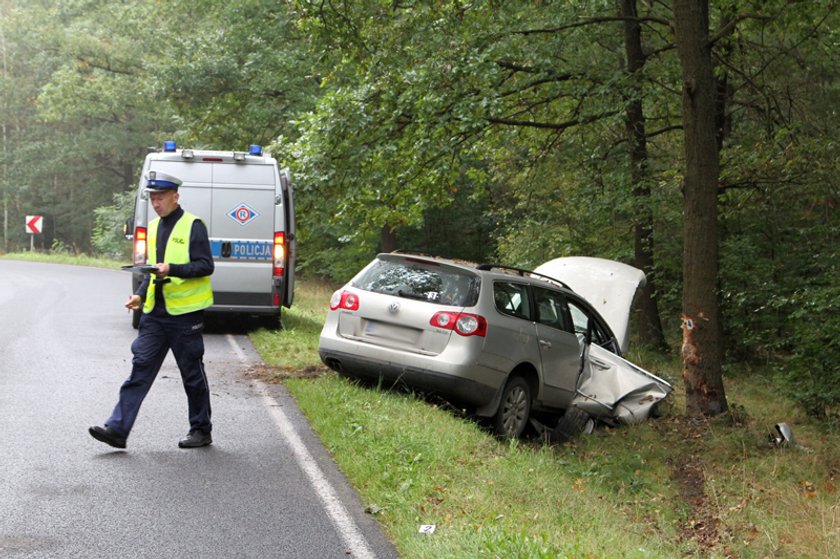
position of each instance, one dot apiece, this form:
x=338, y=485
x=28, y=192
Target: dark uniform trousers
x=158, y=334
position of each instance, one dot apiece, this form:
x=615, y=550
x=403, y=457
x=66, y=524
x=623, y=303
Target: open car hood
x=607, y=285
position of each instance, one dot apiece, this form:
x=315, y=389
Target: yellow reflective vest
x=180, y=295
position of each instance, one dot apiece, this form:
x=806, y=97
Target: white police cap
x=161, y=182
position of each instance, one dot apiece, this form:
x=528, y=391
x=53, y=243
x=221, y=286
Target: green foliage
x=813, y=373
x=109, y=229
x=238, y=76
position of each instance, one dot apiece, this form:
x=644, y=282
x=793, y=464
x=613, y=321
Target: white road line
x=347, y=529
x=236, y=349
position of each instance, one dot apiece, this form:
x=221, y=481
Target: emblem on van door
x=393, y=308
x=243, y=214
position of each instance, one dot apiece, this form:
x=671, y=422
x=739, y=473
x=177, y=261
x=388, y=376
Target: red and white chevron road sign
x=34, y=224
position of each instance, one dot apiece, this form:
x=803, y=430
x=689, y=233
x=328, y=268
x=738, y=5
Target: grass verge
x=64, y=258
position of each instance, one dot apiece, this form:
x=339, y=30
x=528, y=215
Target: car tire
x=514, y=409
x=573, y=423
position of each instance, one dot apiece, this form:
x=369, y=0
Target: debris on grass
x=275, y=373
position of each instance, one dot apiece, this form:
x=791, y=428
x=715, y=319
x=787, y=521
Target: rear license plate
x=391, y=332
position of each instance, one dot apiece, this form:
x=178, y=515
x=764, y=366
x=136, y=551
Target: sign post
x=34, y=226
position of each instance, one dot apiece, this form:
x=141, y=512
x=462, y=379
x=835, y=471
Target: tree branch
x=592, y=21
x=730, y=27
x=106, y=67
x=550, y=125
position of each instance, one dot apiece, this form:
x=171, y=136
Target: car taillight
x=140, y=246
x=344, y=300
x=279, y=253
x=464, y=324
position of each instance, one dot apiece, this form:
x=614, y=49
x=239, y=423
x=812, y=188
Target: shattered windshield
x=420, y=280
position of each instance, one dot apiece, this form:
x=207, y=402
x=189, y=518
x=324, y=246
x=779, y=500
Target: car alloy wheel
x=514, y=409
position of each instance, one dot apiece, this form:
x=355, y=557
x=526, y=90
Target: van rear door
x=286, y=196
x=242, y=234
x=194, y=194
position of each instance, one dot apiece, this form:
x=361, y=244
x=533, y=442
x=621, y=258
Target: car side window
x=581, y=318
x=512, y=299
x=551, y=308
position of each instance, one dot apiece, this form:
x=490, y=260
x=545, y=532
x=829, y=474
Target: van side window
x=512, y=299
x=551, y=309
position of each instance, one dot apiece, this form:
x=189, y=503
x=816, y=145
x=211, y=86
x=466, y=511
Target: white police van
x=247, y=203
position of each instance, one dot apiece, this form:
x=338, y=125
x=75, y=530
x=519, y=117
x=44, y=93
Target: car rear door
x=560, y=349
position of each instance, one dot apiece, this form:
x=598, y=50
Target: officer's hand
x=133, y=303
x=162, y=270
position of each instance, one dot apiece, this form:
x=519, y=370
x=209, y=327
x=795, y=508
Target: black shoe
x=107, y=436
x=195, y=438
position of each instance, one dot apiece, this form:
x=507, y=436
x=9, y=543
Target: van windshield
x=429, y=282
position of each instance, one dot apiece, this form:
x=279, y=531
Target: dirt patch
x=703, y=525
x=275, y=374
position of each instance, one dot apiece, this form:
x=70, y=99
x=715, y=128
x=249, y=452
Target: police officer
x=175, y=296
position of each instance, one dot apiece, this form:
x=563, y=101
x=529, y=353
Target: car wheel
x=514, y=409
x=573, y=423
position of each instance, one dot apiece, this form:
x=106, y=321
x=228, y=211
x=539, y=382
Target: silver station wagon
x=504, y=342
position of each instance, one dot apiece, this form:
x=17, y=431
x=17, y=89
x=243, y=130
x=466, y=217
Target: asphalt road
x=265, y=488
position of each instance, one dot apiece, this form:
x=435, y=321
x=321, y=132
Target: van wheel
x=135, y=318
x=514, y=409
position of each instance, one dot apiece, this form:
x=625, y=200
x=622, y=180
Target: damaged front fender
x=612, y=389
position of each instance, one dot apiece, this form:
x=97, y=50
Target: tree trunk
x=701, y=348
x=651, y=327
x=388, y=238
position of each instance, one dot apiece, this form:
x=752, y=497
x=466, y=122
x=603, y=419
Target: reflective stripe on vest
x=180, y=295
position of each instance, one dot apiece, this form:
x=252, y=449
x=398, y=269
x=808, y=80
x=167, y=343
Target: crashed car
x=507, y=343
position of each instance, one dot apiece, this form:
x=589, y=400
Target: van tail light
x=463, y=323
x=140, y=246
x=344, y=300
x=279, y=253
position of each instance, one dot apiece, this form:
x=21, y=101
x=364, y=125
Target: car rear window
x=424, y=281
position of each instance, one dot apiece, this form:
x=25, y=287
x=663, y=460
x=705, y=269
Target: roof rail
x=522, y=272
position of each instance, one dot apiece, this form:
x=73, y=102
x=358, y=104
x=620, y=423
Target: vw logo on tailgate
x=393, y=308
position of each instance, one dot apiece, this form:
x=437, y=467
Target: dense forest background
x=486, y=130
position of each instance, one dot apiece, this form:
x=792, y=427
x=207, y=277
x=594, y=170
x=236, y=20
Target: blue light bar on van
x=169, y=145
x=255, y=150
